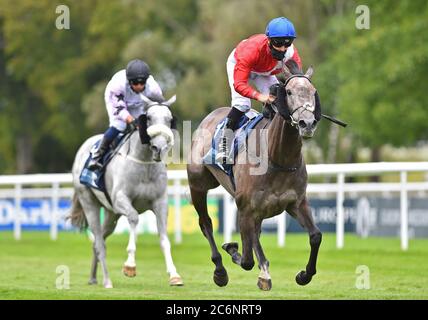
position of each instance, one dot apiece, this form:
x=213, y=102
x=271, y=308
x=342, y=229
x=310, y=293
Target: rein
x=273, y=167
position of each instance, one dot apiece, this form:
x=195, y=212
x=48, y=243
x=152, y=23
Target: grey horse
x=136, y=181
x=261, y=194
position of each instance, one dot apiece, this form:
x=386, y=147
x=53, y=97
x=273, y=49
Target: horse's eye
x=289, y=92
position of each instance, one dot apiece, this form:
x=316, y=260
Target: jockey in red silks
x=124, y=104
x=258, y=58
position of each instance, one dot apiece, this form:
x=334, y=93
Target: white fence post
x=55, y=181
x=17, y=216
x=55, y=207
x=177, y=210
x=281, y=229
x=340, y=219
x=228, y=217
x=404, y=212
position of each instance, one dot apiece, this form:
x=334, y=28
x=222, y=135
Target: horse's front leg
x=248, y=228
x=304, y=216
x=123, y=205
x=264, y=282
x=160, y=208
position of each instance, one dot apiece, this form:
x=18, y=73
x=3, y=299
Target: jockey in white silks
x=124, y=104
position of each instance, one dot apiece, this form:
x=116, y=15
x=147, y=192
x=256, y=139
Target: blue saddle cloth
x=95, y=178
x=247, y=122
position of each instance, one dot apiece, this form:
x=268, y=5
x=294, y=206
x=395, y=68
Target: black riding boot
x=232, y=121
x=95, y=162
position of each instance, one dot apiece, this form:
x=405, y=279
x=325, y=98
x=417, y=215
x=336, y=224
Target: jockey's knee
x=242, y=107
x=119, y=124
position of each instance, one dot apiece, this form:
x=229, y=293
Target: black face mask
x=276, y=54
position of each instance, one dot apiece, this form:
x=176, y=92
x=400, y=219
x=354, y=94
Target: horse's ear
x=286, y=71
x=171, y=100
x=309, y=72
x=145, y=99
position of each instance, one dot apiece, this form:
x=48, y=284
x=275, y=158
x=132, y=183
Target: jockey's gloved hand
x=273, y=89
x=133, y=125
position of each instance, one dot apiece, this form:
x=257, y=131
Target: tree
x=49, y=71
x=379, y=85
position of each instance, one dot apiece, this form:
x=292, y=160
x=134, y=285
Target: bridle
x=273, y=167
x=306, y=106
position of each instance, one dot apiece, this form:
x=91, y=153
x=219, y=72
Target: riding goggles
x=138, y=81
x=283, y=41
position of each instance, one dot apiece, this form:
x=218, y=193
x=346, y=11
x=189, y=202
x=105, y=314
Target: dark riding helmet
x=137, y=70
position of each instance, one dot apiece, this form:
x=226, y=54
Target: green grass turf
x=28, y=269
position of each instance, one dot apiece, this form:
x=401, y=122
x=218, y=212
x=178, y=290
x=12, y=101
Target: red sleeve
x=241, y=74
x=296, y=58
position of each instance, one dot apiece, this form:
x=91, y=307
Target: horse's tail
x=77, y=216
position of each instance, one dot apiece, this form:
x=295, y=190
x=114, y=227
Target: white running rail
x=59, y=186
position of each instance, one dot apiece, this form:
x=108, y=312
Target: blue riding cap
x=280, y=27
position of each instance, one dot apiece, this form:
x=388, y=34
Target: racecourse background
x=398, y=208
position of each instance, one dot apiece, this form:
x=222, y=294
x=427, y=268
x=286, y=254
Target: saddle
x=95, y=179
x=246, y=123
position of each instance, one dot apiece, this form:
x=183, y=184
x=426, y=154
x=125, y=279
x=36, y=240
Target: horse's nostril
x=314, y=123
x=302, y=124
x=154, y=149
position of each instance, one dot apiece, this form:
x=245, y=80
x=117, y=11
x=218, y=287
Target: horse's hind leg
x=160, y=208
x=304, y=216
x=94, y=266
x=110, y=220
x=199, y=199
x=92, y=211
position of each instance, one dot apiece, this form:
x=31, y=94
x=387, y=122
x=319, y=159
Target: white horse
x=136, y=181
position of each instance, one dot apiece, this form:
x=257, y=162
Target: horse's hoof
x=302, y=278
x=92, y=281
x=230, y=247
x=264, y=284
x=247, y=265
x=220, y=277
x=176, y=281
x=108, y=284
x=129, y=271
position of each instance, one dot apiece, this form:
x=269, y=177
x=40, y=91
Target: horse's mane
x=293, y=67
